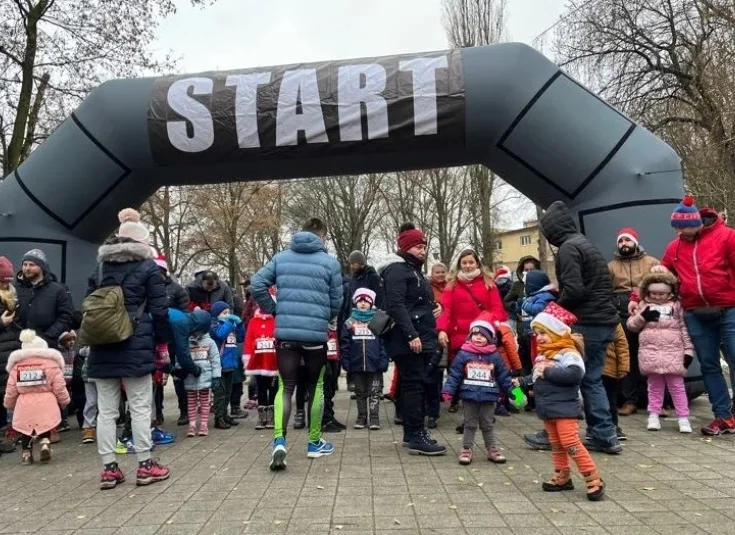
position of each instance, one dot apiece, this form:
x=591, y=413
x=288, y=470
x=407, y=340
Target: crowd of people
x=602, y=341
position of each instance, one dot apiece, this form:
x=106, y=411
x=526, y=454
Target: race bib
x=478, y=374
x=362, y=332
x=68, y=371
x=265, y=344
x=231, y=339
x=199, y=353
x=332, y=345
x=31, y=376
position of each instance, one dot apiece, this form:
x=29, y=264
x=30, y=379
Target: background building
x=512, y=245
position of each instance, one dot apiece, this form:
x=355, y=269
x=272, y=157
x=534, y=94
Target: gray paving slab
x=664, y=482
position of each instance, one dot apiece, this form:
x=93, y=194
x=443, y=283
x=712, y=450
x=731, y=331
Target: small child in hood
x=557, y=374
x=539, y=293
x=67, y=342
x=503, y=280
x=478, y=374
x=36, y=389
x=617, y=366
x=364, y=358
x=206, y=357
x=260, y=355
x=227, y=331
x=664, y=347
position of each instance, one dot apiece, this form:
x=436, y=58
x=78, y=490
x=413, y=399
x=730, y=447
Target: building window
x=525, y=240
x=498, y=245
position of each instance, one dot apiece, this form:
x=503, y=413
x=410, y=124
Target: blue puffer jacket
x=360, y=350
x=133, y=262
x=309, y=285
x=539, y=293
x=227, y=334
x=479, y=377
x=182, y=325
x=206, y=356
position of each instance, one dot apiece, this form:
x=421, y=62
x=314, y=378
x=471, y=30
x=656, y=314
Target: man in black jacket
x=43, y=303
x=413, y=342
x=585, y=290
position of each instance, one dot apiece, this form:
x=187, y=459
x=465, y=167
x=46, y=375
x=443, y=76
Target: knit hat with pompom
x=686, y=214
x=29, y=340
x=131, y=227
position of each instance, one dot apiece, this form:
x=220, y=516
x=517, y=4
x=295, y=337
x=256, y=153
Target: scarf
x=479, y=350
x=469, y=277
x=560, y=344
x=363, y=316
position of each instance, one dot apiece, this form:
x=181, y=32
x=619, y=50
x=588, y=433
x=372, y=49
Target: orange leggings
x=565, y=443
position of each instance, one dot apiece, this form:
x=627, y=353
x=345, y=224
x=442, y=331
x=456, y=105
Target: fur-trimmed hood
x=651, y=278
x=19, y=355
x=123, y=251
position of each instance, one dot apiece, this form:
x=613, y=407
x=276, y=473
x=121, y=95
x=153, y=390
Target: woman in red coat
x=470, y=291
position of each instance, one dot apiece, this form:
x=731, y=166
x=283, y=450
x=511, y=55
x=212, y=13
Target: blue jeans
x=707, y=337
x=596, y=406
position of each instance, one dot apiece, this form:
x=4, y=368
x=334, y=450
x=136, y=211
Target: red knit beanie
x=6, y=270
x=410, y=237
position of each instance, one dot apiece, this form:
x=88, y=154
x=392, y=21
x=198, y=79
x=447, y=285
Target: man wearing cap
x=413, y=342
x=702, y=256
x=43, y=303
x=630, y=263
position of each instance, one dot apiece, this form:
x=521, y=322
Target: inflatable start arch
x=505, y=106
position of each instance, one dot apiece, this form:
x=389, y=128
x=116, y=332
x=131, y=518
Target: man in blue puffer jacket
x=309, y=295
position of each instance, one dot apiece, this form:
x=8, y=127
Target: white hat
x=551, y=323
x=131, y=227
x=364, y=293
x=29, y=340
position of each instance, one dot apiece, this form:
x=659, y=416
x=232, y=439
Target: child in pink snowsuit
x=665, y=349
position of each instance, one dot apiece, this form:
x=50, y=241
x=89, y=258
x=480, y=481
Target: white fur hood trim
x=123, y=252
x=19, y=355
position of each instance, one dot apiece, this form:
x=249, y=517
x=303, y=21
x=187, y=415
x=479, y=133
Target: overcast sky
x=248, y=33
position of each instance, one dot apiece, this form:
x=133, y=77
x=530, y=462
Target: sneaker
x=407, y=440
x=494, y=455
x=151, y=471
x=203, y=430
x=684, y=425
x=278, y=457
x=161, y=437
x=319, y=449
x=654, y=423
x=612, y=448
x=538, y=440
x=192, y=431
x=621, y=434
x=89, y=435
x=332, y=426
x=27, y=457
x=111, y=477
x=361, y=422
x=465, y=456
x=422, y=444
x=374, y=424
x=63, y=427
x=45, y=450
x=432, y=423
x=124, y=447
x=720, y=426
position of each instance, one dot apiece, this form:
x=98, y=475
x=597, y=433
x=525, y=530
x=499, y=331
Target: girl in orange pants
x=557, y=374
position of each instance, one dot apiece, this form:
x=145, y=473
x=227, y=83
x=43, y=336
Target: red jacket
x=706, y=266
x=461, y=309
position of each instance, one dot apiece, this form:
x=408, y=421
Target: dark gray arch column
x=505, y=106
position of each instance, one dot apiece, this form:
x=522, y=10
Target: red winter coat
x=260, y=345
x=461, y=309
x=706, y=266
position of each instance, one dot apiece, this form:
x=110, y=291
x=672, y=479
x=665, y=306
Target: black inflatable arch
x=505, y=106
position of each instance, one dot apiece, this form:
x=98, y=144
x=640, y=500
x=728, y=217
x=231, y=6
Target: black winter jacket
x=178, y=298
x=143, y=281
x=9, y=342
x=45, y=307
x=409, y=300
x=585, y=284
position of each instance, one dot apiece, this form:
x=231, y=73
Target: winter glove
x=688, y=361
x=234, y=319
x=216, y=383
x=446, y=396
x=651, y=315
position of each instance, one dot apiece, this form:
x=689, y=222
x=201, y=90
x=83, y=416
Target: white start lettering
x=359, y=91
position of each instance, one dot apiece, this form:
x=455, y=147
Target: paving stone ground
x=663, y=483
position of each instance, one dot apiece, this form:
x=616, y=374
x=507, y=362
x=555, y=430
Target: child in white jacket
x=205, y=355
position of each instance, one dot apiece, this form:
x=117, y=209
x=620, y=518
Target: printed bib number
x=199, y=353
x=31, y=377
x=332, y=345
x=265, y=344
x=480, y=375
x=68, y=371
x=231, y=340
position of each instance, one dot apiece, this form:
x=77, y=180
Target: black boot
x=299, y=421
x=422, y=444
x=183, y=419
x=221, y=423
x=231, y=421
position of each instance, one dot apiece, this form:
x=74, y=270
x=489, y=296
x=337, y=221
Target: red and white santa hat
x=628, y=232
x=484, y=325
x=555, y=319
x=364, y=294
x=162, y=262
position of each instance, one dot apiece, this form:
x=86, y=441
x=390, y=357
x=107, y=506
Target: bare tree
x=671, y=66
x=52, y=52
